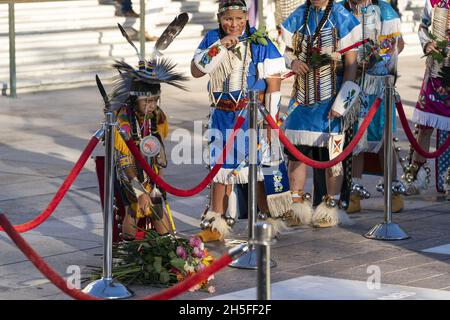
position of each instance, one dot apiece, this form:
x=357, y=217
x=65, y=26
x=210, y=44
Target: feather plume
x=172, y=31
x=163, y=72
x=127, y=37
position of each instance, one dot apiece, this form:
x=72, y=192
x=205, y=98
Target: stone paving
x=43, y=134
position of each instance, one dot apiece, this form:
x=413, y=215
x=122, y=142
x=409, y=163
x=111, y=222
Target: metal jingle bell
x=331, y=203
x=230, y=221
x=263, y=215
x=343, y=205
x=307, y=196
x=402, y=190
x=205, y=224
x=395, y=139
x=366, y=194
x=380, y=188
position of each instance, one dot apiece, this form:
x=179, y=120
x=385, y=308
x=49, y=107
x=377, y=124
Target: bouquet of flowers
x=441, y=47
x=160, y=260
x=372, y=52
x=318, y=59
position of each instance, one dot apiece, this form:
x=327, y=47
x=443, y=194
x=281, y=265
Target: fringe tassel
x=431, y=120
x=343, y=218
x=221, y=74
x=373, y=85
x=229, y=65
x=218, y=224
x=279, y=203
x=233, y=206
x=363, y=144
x=333, y=216
x=226, y=176
x=302, y=213
x=337, y=170
x=278, y=225
x=324, y=213
x=351, y=117
x=421, y=179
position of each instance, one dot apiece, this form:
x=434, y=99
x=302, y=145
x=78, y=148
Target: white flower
x=188, y=268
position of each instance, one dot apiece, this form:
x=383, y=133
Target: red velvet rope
x=62, y=190
x=326, y=164
x=202, y=185
x=413, y=141
x=39, y=263
x=59, y=281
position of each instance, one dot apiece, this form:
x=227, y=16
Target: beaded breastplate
x=440, y=28
x=319, y=83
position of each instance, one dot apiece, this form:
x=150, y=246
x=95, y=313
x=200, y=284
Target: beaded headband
x=232, y=5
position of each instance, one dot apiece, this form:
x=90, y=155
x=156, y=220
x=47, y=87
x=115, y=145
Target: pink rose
x=181, y=252
x=195, y=241
x=211, y=289
x=198, y=253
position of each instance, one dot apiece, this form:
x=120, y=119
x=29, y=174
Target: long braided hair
x=321, y=24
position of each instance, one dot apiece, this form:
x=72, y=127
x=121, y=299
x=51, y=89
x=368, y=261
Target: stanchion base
x=387, y=231
x=107, y=289
x=248, y=261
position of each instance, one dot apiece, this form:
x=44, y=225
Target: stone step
x=64, y=44
x=90, y=37
x=45, y=58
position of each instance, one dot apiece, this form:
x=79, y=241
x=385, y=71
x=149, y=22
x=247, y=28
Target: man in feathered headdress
x=136, y=100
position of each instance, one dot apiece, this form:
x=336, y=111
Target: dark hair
x=322, y=22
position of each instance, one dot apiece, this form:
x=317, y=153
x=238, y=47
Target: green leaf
x=178, y=263
x=149, y=268
x=157, y=264
x=437, y=56
x=164, y=276
x=148, y=258
x=172, y=255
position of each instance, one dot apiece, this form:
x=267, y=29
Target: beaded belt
x=230, y=105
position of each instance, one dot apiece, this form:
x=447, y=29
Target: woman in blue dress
x=323, y=97
x=381, y=24
x=235, y=66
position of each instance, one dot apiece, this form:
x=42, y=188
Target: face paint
x=233, y=22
